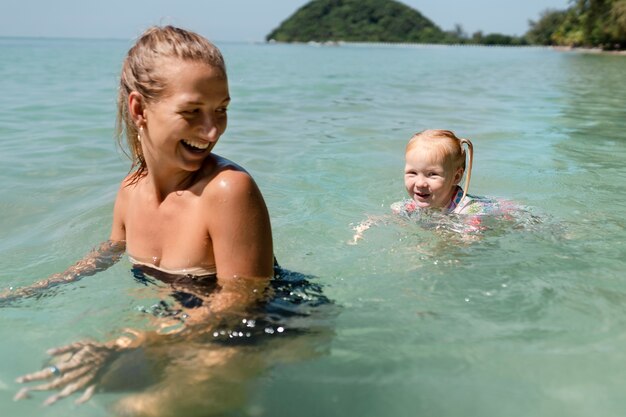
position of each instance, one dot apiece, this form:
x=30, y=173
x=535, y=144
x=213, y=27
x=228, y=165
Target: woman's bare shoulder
x=118, y=228
x=127, y=185
x=229, y=179
x=127, y=188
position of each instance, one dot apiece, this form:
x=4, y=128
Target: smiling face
x=183, y=125
x=429, y=178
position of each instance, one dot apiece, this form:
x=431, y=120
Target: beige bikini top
x=196, y=270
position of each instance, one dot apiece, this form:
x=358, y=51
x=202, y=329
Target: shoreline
x=400, y=44
x=588, y=50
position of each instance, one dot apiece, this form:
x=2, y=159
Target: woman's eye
x=190, y=112
x=221, y=110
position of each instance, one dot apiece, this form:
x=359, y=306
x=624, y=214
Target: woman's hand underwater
x=78, y=366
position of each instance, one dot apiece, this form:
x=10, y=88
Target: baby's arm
x=99, y=259
x=399, y=207
x=360, y=228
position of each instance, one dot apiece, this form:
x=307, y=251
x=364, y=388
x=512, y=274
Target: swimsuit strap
x=456, y=198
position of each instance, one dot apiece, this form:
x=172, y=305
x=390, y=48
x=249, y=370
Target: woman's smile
x=195, y=146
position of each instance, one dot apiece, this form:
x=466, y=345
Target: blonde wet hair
x=140, y=73
x=449, y=149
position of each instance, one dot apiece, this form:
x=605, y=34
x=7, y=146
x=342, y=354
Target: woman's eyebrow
x=199, y=103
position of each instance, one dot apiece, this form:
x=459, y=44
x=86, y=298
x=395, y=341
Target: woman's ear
x=136, y=108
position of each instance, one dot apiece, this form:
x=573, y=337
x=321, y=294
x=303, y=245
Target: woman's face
x=183, y=125
x=429, y=181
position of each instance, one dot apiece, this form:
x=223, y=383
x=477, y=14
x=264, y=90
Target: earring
x=139, y=133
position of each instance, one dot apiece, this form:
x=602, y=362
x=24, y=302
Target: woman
x=183, y=211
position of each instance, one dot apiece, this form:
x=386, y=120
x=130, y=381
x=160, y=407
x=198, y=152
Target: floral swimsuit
x=472, y=205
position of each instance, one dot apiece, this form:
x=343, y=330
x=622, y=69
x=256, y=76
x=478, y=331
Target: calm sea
x=528, y=320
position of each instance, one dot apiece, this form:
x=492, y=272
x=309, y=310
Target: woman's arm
x=239, y=227
x=87, y=365
x=99, y=259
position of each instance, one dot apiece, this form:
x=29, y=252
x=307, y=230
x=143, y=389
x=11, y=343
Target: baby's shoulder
x=404, y=207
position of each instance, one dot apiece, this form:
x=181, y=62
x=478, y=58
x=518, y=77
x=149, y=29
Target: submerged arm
x=99, y=259
x=359, y=229
x=240, y=230
x=89, y=365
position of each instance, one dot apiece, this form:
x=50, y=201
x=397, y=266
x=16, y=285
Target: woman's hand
x=78, y=367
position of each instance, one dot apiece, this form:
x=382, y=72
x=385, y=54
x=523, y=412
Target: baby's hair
x=140, y=73
x=448, y=148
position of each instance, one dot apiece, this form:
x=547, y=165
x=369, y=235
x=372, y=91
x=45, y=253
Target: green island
x=586, y=23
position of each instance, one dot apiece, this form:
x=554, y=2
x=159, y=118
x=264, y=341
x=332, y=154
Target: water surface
x=524, y=321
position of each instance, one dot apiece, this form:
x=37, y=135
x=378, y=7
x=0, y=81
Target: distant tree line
x=459, y=36
x=374, y=21
x=597, y=23
x=587, y=23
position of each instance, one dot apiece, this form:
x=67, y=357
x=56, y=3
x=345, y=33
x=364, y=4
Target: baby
x=436, y=162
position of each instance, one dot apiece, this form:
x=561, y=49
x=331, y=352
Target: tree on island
x=373, y=21
x=542, y=31
x=589, y=23
x=358, y=21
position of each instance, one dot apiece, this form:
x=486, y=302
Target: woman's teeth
x=194, y=144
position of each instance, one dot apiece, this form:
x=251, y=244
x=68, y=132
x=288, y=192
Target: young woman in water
x=183, y=211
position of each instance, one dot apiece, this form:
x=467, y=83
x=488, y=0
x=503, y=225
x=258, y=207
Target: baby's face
x=429, y=180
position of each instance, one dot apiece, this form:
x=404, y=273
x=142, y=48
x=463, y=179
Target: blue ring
x=54, y=370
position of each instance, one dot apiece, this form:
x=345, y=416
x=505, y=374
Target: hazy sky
x=235, y=20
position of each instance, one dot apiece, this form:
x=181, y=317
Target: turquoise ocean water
x=528, y=320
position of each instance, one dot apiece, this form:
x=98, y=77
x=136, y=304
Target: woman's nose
x=209, y=129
